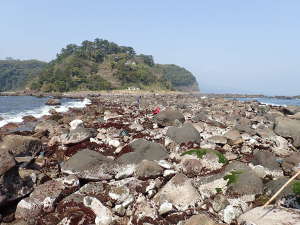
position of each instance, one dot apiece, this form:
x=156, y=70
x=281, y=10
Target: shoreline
x=83, y=94
x=42, y=112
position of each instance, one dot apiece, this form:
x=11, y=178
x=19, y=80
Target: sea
x=273, y=101
x=14, y=108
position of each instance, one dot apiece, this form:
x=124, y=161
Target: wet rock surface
x=53, y=101
x=198, y=161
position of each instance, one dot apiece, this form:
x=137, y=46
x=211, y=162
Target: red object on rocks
x=156, y=111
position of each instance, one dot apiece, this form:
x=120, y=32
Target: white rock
x=164, y=164
x=128, y=201
x=169, y=172
x=101, y=136
x=168, y=141
x=94, y=140
x=114, y=143
x=65, y=221
x=104, y=215
x=231, y=213
x=137, y=127
x=75, y=124
x=118, y=150
x=165, y=208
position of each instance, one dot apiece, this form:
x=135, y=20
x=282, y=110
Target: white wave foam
x=273, y=104
x=42, y=111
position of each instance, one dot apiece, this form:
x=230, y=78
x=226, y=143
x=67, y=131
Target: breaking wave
x=16, y=117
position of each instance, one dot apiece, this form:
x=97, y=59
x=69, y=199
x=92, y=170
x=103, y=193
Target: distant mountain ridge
x=101, y=65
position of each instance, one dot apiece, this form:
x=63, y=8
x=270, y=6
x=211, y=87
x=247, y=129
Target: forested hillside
x=102, y=65
x=94, y=65
x=14, y=74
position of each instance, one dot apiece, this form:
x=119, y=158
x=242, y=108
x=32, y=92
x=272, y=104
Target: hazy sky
x=244, y=46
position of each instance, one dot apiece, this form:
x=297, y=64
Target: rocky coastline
x=84, y=94
x=157, y=159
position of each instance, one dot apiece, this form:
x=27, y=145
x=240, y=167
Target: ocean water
x=14, y=108
x=273, y=101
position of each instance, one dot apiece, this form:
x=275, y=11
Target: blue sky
x=232, y=46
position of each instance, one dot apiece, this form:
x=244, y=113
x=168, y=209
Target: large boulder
x=245, y=182
x=47, y=125
x=291, y=164
x=7, y=161
x=45, y=196
x=180, y=192
x=202, y=117
x=266, y=159
x=53, y=101
x=76, y=136
x=19, y=145
x=291, y=109
x=184, y=134
x=234, y=137
x=169, y=118
x=91, y=165
x=142, y=149
x=274, y=185
x=148, y=169
x=13, y=187
x=288, y=128
x=270, y=216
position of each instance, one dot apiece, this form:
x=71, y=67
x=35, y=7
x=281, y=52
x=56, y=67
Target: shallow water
x=14, y=108
x=273, y=101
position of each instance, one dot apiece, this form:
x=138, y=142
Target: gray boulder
x=76, y=136
x=19, y=145
x=47, y=125
x=53, y=101
x=291, y=164
x=266, y=159
x=246, y=183
x=202, y=117
x=91, y=165
x=13, y=187
x=291, y=109
x=148, y=169
x=186, y=133
x=270, y=216
x=180, y=192
x=288, y=128
x=274, y=185
x=7, y=161
x=143, y=149
x=234, y=137
x=168, y=118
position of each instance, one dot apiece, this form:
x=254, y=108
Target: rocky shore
x=160, y=159
x=83, y=94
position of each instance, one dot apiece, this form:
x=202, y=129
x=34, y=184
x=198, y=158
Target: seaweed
x=201, y=152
